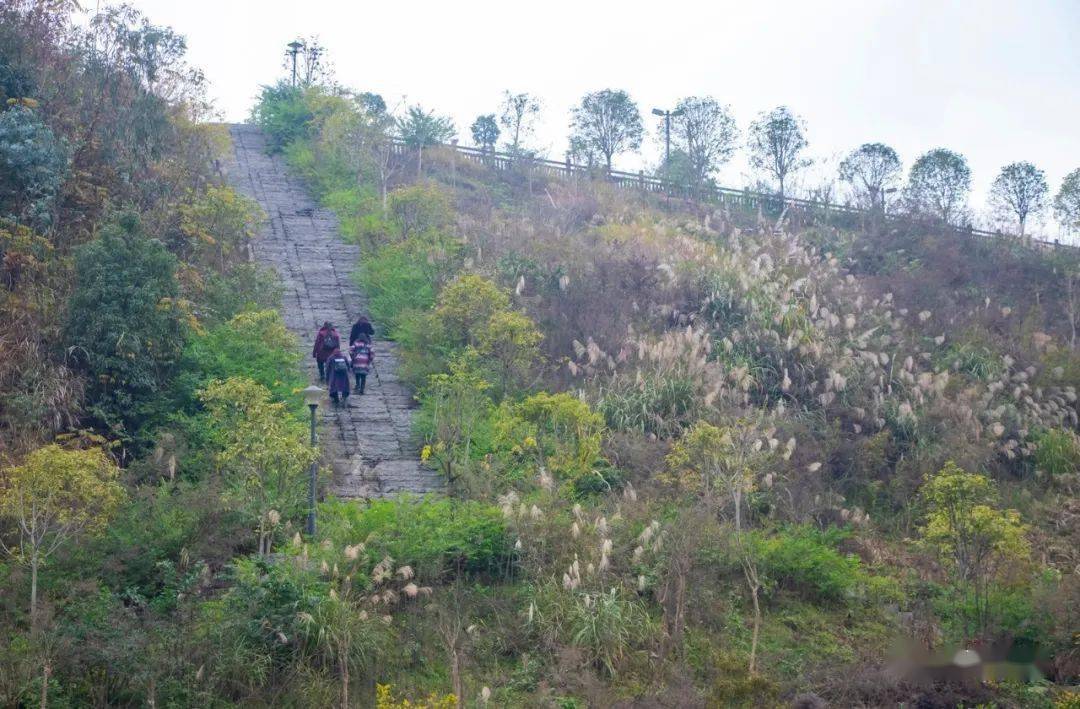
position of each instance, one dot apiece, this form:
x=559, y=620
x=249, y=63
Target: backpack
x=361, y=358
x=341, y=365
x=331, y=341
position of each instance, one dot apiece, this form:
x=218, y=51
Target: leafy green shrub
x=33, y=164
x=125, y=326
x=663, y=407
x=247, y=286
x=805, y=560
x=971, y=356
x=253, y=344
x=437, y=537
x=360, y=214
x=283, y=115
x=1057, y=453
x=557, y=431
x=420, y=211
x=397, y=280
x=600, y=481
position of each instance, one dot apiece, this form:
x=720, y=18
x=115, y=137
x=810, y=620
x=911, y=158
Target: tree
x=125, y=324
x=938, y=184
x=871, y=169
x=1067, y=202
x=420, y=129
x=607, y=121
x=776, y=144
x=53, y=497
x=283, y=115
x=371, y=103
x=1020, y=189
x=33, y=165
x=966, y=529
x=263, y=454
x=705, y=131
x=510, y=339
x=518, y=116
x=485, y=132
x=710, y=456
x=219, y=221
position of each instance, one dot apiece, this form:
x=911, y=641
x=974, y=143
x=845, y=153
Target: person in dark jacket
x=338, y=367
x=326, y=342
x=362, y=326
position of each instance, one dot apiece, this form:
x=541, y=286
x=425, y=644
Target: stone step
x=368, y=444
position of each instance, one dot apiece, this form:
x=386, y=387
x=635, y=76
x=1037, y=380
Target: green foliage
x=663, y=406
x=455, y=417
x=33, y=164
x=263, y=454
x=716, y=460
x=439, y=538
x=247, y=286
x=125, y=325
x=511, y=342
x=55, y=496
x=398, y=285
x=282, y=114
x=776, y=142
x=218, y=223
x=805, y=560
x=254, y=345
x=971, y=355
x=485, y=131
x=938, y=184
x=1067, y=201
x=607, y=122
x=558, y=432
x=966, y=529
x=420, y=128
x=1057, y=453
x=467, y=304
x=420, y=211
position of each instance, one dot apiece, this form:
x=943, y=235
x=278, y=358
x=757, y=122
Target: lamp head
x=657, y=112
x=313, y=395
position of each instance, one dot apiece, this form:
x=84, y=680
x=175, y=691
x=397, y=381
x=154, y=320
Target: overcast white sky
x=996, y=80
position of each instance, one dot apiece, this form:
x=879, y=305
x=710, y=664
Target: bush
x=805, y=560
x=255, y=345
x=125, y=326
x=397, y=280
x=438, y=538
x=420, y=211
x=283, y=114
x=557, y=431
x=1057, y=453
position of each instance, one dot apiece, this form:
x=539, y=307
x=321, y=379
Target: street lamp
x=312, y=397
x=885, y=196
x=666, y=115
x=295, y=47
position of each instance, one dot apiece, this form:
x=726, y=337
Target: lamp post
x=312, y=396
x=295, y=47
x=885, y=196
x=453, y=162
x=666, y=115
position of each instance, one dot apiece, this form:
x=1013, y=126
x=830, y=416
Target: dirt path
x=369, y=444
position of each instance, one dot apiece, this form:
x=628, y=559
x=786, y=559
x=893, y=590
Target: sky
x=996, y=80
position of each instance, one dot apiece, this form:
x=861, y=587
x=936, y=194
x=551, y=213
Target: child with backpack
x=363, y=355
x=326, y=342
x=337, y=376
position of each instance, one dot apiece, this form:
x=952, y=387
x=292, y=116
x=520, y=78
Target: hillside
x=664, y=451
